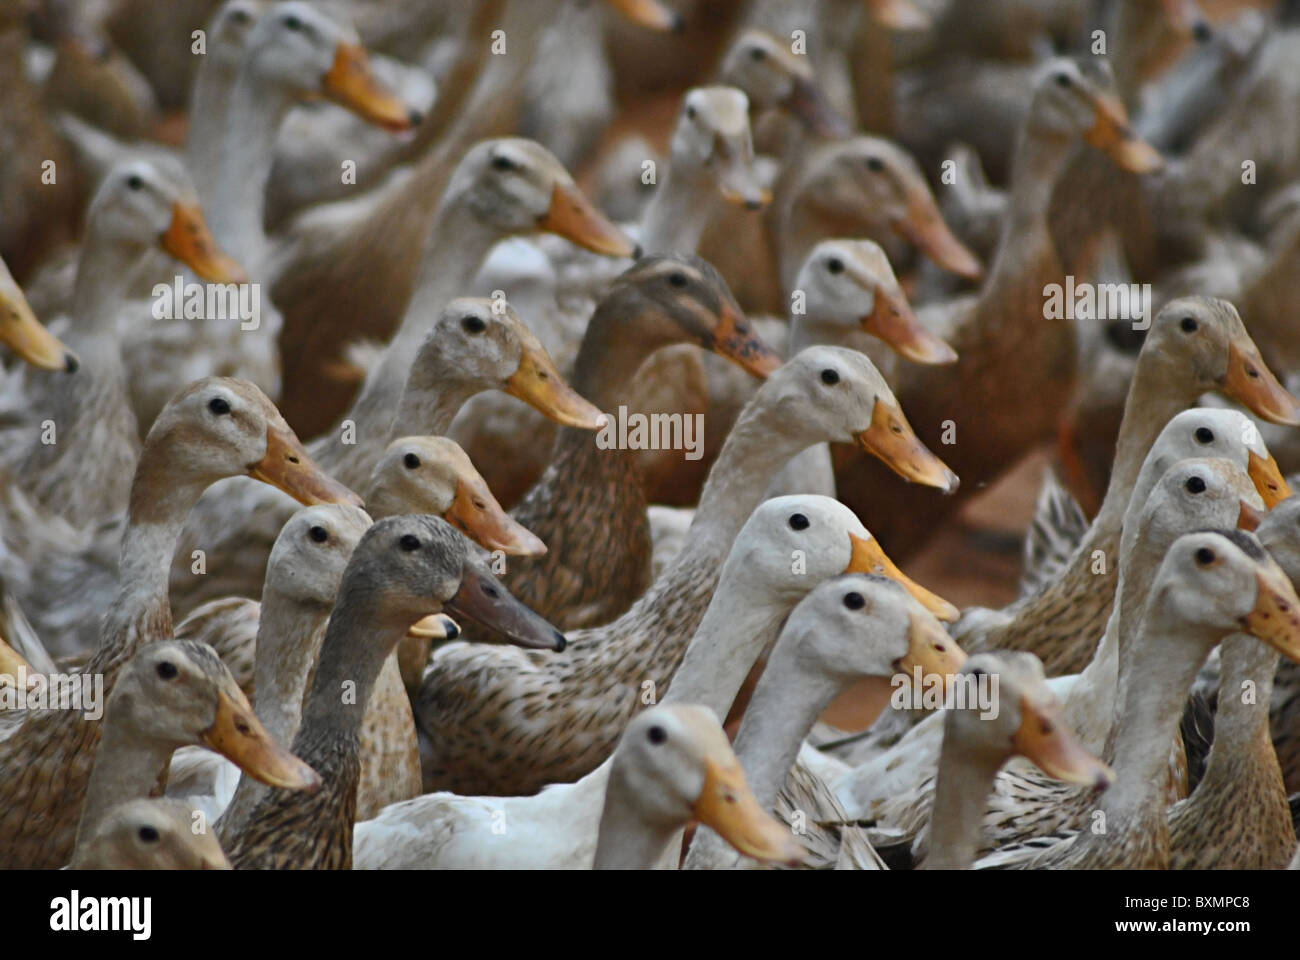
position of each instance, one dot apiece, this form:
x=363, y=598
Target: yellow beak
x=238, y=736
x=22, y=333
x=1276, y=616
x=351, y=83
x=868, y=556
x=1251, y=383
x=728, y=806
x=890, y=437
x=1050, y=744
x=572, y=216
x=286, y=466
x=188, y=240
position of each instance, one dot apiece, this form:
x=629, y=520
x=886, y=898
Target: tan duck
x=474, y=345
x=1238, y=818
x=1025, y=721
x=150, y=834
x=674, y=765
x=1194, y=345
x=170, y=695
x=216, y=428
x=557, y=828
x=847, y=628
x=404, y=569
x=482, y=703
x=1211, y=584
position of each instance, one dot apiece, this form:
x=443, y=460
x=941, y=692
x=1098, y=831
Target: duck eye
x=411, y=461
x=854, y=601
x=656, y=735
x=690, y=113
x=149, y=834
x=135, y=181
x=1204, y=435
x=292, y=22
x=319, y=534
x=240, y=16
x=219, y=405
x=409, y=542
x=167, y=670
x=1195, y=485
x=875, y=164
x=473, y=324
x=757, y=53
x=798, y=521
x=1205, y=556
x=835, y=265
x=677, y=279
x=830, y=377
x=1188, y=324
x=1062, y=79
x=502, y=163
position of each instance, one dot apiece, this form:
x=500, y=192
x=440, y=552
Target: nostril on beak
x=70, y=363
x=560, y=642
x=753, y=203
x=638, y=253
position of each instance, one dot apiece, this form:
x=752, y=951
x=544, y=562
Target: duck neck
x=1241, y=730
x=962, y=785
x=128, y=765
x=289, y=637
x=612, y=351
x=627, y=841
x=679, y=212
x=105, y=273
x=209, y=111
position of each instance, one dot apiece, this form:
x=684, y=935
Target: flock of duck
x=347, y=653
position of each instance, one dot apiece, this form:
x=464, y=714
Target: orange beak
x=351, y=84
x=1268, y=479
x=239, y=736
x=930, y=650
x=1111, y=134
x=649, y=13
x=728, y=806
x=572, y=216
x=477, y=514
x=890, y=437
x=1248, y=517
x=898, y=14
x=22, y=333
x=1251, y=383
x=188, y=240
x=738, y=342
x=1045, y=739
x=868, y=556
x=286, y=466
x=1276, y=616
x=924, y=226
x=893, y=321
x=538, y=383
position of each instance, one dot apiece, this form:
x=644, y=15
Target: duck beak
x=1182, y=15
x=1111, y=134
x=1268, y=479
x=898, y=14
x=11, y=661
x=537, y=383
x=478, y=515
x=22, y=333
x=649, y=13
x=893, y=321
x=239, y=736
x=483, y=600
x=1251, y=383
x=188, y=240
x=931, y=651
x=890, y=438
x=437, y=626
x=1248, y=517
x=924, y=226
x=1044, y=738
x=1276, y=617
x=286, y=466
x=807, y=102
x=867, y=556
x=738, y=180
x=727, y=806
x=573, y=217
x=740, y=343
x=350, y=83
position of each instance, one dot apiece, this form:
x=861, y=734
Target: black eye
x=1205, y=556
x=830, y=377
x=240, y=16
x=1204, y=435
x=677, y=279
x=656, y=735
x=411, y=461
x=134, y=182
x=167, y=670
x=1195, y=485
x=1062, y=79
x=473, y=324
x=875, y=164
x=835, y=265
x=502, y=163
x=410, y=542
x=319, y=534
x=1188, y=324
x=219, y=405
x=854, y=601
x=149, y=834
x=292, y=22
x=798, y=521
x=690, y=113
x=758, y=53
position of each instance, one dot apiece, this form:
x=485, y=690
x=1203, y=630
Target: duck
x=1003, y=326
x=1195, y=345
x=149, y=834
x=216, y=428
x=674, y=765
x=846, y=628
x=172, y=694
x=825, y=393
x=977, y=742
x=1210, y=584
x=757, y=587
x=1238, y=818
x=476, y=344
x=402, y=570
